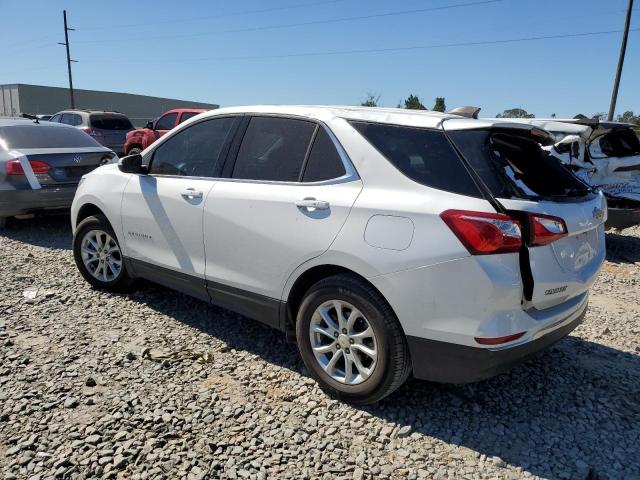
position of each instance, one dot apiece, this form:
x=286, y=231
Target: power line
x=223, y=15
x=370, y=50
x=29, y=40
x=302, y=24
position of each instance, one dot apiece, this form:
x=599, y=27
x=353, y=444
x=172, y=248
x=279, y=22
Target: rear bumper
x=18, y=202
x=452, y=363
x=622, y=218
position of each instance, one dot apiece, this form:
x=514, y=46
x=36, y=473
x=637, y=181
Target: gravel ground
x=158, y=385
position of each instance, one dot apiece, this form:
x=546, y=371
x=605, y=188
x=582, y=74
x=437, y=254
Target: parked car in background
x=41, y=165
x=107, y=128
x=604, y=155
x=45, y=118
x=362, y=233
x=139, y=139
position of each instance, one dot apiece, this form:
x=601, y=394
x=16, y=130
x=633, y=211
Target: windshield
x=42, y=136
x=513, y=165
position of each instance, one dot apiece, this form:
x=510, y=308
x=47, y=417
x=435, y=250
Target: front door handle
x=312, y=204
x=191, y=193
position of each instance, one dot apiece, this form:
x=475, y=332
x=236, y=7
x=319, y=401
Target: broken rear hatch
x=562, y=218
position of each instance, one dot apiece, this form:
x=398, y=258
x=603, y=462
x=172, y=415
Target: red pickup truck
x=141, y=138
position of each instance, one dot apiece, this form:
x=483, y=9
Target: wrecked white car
x=602, y=154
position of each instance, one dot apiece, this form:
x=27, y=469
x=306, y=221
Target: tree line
x=413, y=102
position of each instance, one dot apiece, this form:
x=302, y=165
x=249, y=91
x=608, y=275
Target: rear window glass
x=423, y=155
x=42, y=136
x=110, y=122
x=513, y=165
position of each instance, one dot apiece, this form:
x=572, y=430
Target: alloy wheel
x=343, y=342
x=101, y=255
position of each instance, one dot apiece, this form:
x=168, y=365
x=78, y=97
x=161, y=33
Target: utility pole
x=66, y=44
x=623, y=49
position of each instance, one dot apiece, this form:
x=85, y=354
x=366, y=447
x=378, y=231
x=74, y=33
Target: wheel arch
x=134, y=145
x=304, y=282
x=88, y=210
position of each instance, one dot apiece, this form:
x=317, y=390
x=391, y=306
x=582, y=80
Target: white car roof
x=397, y=116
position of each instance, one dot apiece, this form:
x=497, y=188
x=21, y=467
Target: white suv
x=385, y=242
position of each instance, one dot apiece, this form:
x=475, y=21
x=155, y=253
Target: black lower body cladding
x=451, y=363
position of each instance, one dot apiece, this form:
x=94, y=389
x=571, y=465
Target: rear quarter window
x=423, y=155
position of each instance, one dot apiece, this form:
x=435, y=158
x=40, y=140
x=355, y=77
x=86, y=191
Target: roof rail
x=469, y=112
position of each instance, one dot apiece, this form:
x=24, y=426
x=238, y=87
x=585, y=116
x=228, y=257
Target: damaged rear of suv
x=560, y=216
x=604, y=155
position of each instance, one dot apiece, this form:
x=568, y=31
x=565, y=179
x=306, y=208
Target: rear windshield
x=620, y=143
x=513, y=165
x=423, y=155
x=42, y=136
x=110, y=122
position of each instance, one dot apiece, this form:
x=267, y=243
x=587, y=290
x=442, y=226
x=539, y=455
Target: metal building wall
x=36, y=99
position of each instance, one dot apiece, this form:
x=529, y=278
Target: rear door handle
x=312, y=203
x=191, y=193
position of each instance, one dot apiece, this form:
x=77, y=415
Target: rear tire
x=369, y=338
x=98, y=256
x=134, y=151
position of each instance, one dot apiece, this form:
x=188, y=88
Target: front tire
x=351, y=341
x=98, y=256
x=134, y=151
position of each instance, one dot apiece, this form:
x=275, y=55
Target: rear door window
x=273, y=149
x=196, y=151
x=42, y=136
x=324, y=162
x=167, y=122
x=110, y=122
x=423, y=155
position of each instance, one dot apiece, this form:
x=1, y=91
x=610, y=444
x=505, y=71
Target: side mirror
x=131, y=164
x=149, y=125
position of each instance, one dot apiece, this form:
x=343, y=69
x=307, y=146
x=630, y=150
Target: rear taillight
x=14, y=167
x=544, y=229
x=91, y=131
x=484, y=233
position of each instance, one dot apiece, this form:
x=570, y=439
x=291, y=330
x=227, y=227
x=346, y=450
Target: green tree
x=600, y=116
x=515, y=113
x=413, y=103
x=580, y=116
x=629, y=117
x=371, y=100
x=439, y=106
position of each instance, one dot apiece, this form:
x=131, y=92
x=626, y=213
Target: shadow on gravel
x=50, y=231
x=567, y=413
x=622, y=248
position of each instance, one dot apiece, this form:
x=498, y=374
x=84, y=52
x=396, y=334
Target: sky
x=246, y=52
